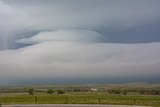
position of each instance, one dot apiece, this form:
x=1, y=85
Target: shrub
x=50, y=91
x=30, y=91
x=60, y=92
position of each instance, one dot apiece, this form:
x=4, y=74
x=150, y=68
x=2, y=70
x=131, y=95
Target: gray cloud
x=109, y=17
x=71, y=60
x=70, y=38
x=63, y=35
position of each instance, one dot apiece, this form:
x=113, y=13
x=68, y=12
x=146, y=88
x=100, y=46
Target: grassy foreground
x=82, y=98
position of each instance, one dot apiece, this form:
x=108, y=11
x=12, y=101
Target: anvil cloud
x=74, y=40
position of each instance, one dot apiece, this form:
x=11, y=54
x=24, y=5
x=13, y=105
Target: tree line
x=49, y=91
x=149, y=91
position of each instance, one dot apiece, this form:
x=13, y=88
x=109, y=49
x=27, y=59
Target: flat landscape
x=141, y=94
x=79, y=53
x=69, y=105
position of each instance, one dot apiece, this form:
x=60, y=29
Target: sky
x=79, y=41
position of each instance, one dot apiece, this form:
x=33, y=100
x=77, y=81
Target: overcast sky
x=91, y=41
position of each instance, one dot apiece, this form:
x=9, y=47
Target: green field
x=80, y=94
x=81, y=98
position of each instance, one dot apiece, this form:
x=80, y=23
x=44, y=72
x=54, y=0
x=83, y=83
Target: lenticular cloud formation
x=84, y=41
x=63, y=35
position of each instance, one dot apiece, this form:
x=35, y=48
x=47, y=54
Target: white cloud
x=69, y=44
x=63, y=35
x=21, y=17
x=70, y=60
x=11, y=23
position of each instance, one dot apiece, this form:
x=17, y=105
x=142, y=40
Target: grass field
x=19, y=94
x=81, y=98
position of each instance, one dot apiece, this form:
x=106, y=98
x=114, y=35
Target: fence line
x=68, y=100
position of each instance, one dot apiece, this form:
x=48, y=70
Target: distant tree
x=142, y=91
x=124, y=92
x=114, y=91
x=50, y=91
x=110, y=91
x=30, y=91
x=77, y=90
x=153, y=92
x=60, y=91
x=149, y=91
x=117, y=91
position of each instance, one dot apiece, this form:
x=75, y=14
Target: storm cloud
x=77, y=39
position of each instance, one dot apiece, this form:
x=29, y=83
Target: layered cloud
x=78, y=60
x=79, y=39
x=63, y=35
x=112, y=18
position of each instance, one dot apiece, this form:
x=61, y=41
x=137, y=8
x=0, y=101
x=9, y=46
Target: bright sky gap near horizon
x=79, y=41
